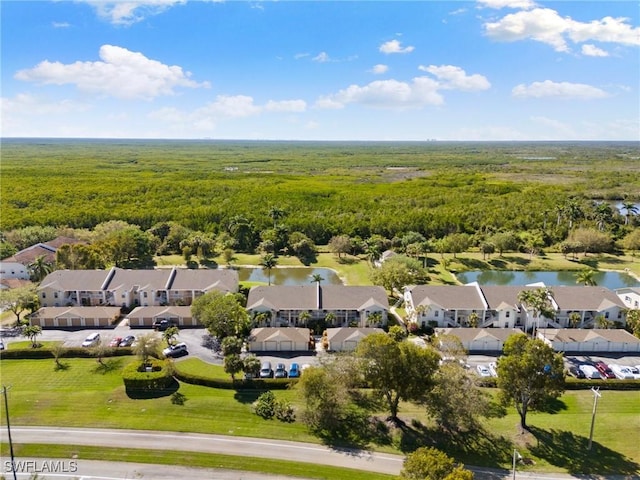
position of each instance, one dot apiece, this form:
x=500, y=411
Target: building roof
x=271, y=334
x=480, y=334
x=79, y=312
x=585, y=298
x=339, y=335
x=173, y=279
x=578, y=335
x=316, y=297
x=155, y=311
x=48, y=249
x=448, y=297
x=496, y=295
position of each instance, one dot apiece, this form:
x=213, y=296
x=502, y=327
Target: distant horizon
x=309, y=71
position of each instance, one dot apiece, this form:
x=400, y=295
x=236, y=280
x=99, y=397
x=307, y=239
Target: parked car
x=635, y=371
x=590, y=372
x=91, y=340
x=281, y=371
x=576, y=372
x=493, y=369
x=483, y=371
x=115, y=342
x=178, y=350
x=604, y=370
x=265, y=370
x=162, y=325
x=622, y=372
x=127, y=341
x=294, y=371
x=1, y=345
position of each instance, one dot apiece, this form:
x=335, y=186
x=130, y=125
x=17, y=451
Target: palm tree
x=268, y=262
x=474, y=319
x=538, y=300
x=631, y=210
x=574, y=319
x=40, y=268
x=586, y=277
x=317, y=278
x=276, y=214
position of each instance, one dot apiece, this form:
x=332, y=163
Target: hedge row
x=69, y=352
x=586, y=384
x=257, y=384
x=159, y=378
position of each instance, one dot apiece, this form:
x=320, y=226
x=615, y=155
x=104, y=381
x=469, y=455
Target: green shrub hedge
x=71, y=352
x=137, y=379
x=586, y=384
x=257, y=384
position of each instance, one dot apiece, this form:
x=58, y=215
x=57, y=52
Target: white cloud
x=394, y=46
x=121, y=74
x=386, y=94
x=455, y=78
x=60, y=24
x=231, y=106
x=379, y=69
x=298, y=56
x=322, y=57
x=547, y=26
x=593, y=51
x=498, y=4
x=286, y=106
x=130, y=12
x=565, y=90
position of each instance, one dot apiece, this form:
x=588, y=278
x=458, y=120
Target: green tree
x=251, y=365
x=538, y=301
x=222, y=314
x=586, y=277
x=631, y=241
x=633, y=321
x=243, y=233
x=427, y=463
x=32, y=332
x=530, y=374
x=231, y=346
x=397, y=371
x=19, y=300
x=276, y=214
x=395, y=273
x=147, y=345
x=233, y=365
x=454, y=402
x=170, y=334
x=603, y=322
x=592, y=240
x=575, y=319
x=40, y=268
x=340, y=245
x=268, y=262
x=487, y=248
x=317, y=278
x=630, y=209
x=397, y=333
x=78, y=256
x=127, y=247
x=474, y=320
x=457, y=243
x=504, y=242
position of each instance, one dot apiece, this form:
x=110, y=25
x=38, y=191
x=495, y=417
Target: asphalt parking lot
x=193, y=337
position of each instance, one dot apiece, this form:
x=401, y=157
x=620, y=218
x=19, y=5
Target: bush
x=256, y=384
x=71, y=352
x=268, y=406
x=137, y=379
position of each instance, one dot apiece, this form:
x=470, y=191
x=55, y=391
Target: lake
x=611, y=280
x=289, y=276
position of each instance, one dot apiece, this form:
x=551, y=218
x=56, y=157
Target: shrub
x=268, y=406
x=137, y=379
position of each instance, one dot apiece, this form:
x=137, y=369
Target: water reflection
x=611, y=280
x=289, y=276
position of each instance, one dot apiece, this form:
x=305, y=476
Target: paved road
x=253, y=448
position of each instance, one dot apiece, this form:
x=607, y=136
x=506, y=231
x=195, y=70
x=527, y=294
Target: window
x=508, y=314
x=144, y=294
x=44, y=295
x=436, y=314
x=55, y=294
x=606, y=315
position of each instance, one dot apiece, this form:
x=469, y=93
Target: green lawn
x=84, y=393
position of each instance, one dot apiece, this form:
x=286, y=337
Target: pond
x=289, y=276
x=611, y=280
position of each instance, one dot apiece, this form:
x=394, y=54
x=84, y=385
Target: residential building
x=75, y=317
x=145, y=317
x=339, y=305
x=269, y=339
x=132, y=288
x=630, y=296
x=480, y=340
x=579, y=340
x=346, y=339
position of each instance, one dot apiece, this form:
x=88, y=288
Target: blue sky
x=330, y=70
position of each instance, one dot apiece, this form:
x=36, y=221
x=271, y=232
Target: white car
x=483, y=371
x=493, y=369
x=622, y=372
x=590, y=372
x=91, y=340
x=635, y=371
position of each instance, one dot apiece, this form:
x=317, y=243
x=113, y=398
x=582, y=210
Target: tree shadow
x=108, y=366
x=209, y=263
x=570, y=451
x=552, y=405
x=473, y=263
x=149, y=394
x=518, y=260
x=247, y=396
x=61, y=366
x=498, y=263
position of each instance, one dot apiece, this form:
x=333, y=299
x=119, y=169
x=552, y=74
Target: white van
x=590, y=372
x=91, y=340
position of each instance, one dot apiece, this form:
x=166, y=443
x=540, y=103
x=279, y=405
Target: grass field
x=87, y=394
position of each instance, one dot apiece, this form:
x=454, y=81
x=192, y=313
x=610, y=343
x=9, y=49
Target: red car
x=115, y=342
x=604, y=370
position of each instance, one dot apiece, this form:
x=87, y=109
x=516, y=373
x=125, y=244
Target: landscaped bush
x=586, y=384
x=137, y=379
x=268, y=406
x=71, y=352
x=255, y=384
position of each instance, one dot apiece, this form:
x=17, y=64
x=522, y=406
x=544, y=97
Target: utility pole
x=516, y=457
x=6, y=411
x=596, y=395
